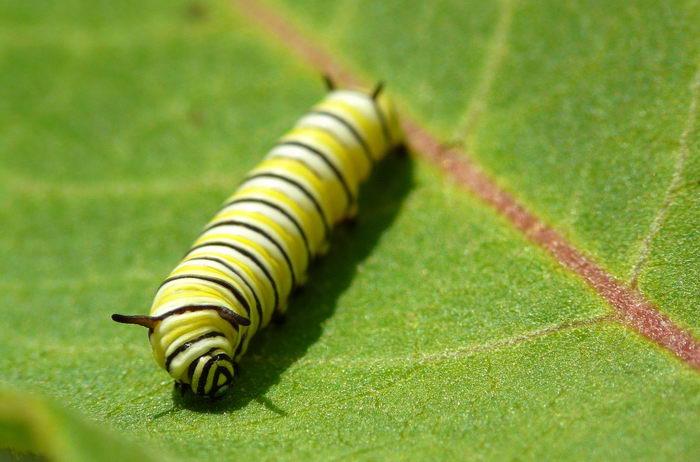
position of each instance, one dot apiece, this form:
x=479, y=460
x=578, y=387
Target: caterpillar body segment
x=255, y=251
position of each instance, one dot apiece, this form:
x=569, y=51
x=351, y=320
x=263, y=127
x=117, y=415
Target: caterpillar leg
x=401, y=150
x=301, y=281
x=350, y=220
x=279, y=318
x=323, y=248
x=298, y=290
x=236, y=369
x=180, y=388
x=184, y=390
x=352, y=212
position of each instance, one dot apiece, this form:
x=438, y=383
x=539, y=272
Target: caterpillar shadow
x=279, y=346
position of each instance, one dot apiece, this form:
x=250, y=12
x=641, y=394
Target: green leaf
x=584, y=110
x=432, y=329
x=36, y=426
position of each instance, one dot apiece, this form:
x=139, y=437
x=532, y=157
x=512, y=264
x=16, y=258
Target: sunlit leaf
x=432, y=329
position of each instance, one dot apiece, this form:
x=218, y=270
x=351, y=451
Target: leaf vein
x=674, y=185
x=498, y=49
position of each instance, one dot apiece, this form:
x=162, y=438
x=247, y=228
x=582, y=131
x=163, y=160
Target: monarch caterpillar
x=239, y=272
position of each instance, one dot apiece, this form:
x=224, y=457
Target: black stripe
x=382, y=122
x=228, y=314
x=327, y=161
x=204, y=376
x=250, y=256
x=278, y=155
x=219, y=372
x=258, y=306
x=188, y=344
x=215, y=383
x=239, y=347
x=300, y=187
x=227, y=373
x=226, y=285
x=192, y=368
x=193, y=365
x=353, y=130
x=223, y=357
x=262, y=233
x=283, y=212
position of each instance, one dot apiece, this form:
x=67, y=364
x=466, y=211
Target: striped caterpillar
x=239, y=272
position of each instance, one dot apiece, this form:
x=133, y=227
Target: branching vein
x=676, y=179
x=498, y=49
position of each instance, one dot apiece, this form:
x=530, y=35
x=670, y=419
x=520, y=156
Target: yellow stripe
x=313, y=233
x=197, y=374
x=372, y=133
x=228, y=366
x=392, y=121
x=209, y=380
x=298, y=255
x=188, y=268
x=237, y=264
x=295, y=167
x=245, y=241
x=183, y=268
x=330, y=199
x=188, y=290
x=194, y=331
x=278, y=273
x=174, y=334
x=267, y=298
x=161, y=343
x=284, y=166
x=347, y=162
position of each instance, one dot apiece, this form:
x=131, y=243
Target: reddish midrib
x=634, y=310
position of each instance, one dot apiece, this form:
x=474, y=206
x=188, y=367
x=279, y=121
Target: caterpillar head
x=194, y=345
x=211, y=374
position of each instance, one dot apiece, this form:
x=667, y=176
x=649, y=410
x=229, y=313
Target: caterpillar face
x=211, y=374
x=196, y=348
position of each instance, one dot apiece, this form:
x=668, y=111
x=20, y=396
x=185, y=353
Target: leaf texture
x=432, y=329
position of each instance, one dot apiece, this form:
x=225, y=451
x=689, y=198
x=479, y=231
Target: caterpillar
x=240, y=271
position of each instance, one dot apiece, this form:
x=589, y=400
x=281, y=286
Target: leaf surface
x=38, y=427
x=431, y=329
